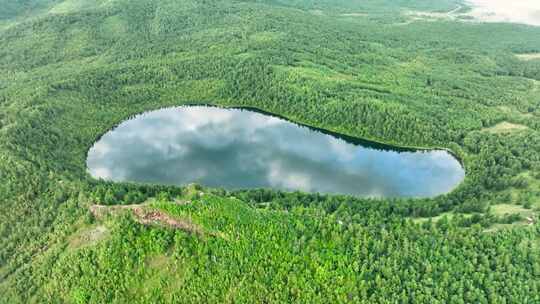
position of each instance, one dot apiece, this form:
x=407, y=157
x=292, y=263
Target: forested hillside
x=73, y=69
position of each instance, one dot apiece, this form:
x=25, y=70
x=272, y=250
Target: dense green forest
x=73, y=69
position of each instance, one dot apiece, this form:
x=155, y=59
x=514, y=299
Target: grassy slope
x=73, y=69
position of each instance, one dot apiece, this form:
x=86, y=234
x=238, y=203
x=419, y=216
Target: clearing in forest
x=453, y=14
x=354, y=14
x=88, y=236
x=503, y=209
x=528, y=216
x=529, y=56
x=505, y=127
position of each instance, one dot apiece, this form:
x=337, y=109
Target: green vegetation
x=73, y=69
x=305, y=255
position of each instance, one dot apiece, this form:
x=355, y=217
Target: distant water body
x=513, y=11
x=240, y=149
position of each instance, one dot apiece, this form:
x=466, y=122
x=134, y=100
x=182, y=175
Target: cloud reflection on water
x=243, y=149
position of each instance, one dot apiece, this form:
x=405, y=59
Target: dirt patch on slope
x=147, y=216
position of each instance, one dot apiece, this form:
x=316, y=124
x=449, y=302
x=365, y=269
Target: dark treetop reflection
x=234, y=148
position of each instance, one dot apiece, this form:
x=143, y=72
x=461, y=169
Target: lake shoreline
x=244, y=147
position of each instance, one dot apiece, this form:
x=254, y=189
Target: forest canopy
x=73, y=69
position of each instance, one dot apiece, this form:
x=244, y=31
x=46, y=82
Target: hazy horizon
x=517, y=11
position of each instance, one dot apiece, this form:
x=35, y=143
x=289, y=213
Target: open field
x=505, y=127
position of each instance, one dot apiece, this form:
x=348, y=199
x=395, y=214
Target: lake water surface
x=239, y=149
